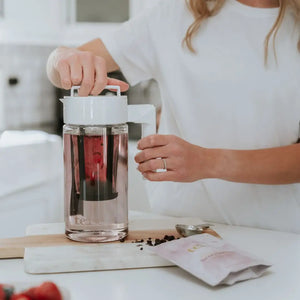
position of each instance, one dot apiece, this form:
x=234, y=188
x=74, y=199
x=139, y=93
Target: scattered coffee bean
x=156, y=242
x=138, y=241
x=149, y=243
x=169, y=237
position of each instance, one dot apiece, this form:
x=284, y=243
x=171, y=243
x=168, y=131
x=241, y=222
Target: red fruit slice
x=47, y=291
x=30, y=293
x=2, y=293
x=20, y=297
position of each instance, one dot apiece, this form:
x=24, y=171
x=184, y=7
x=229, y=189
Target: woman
x=230, y=105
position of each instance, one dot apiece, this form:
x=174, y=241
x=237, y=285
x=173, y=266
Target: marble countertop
x=280, y=282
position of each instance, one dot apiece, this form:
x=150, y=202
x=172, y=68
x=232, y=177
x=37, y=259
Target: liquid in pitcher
x=96, y=180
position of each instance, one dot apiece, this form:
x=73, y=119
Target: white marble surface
x=102, y=256
x=281, y=282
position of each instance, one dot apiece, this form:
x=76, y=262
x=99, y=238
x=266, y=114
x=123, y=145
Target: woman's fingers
x=184, y=162
x=75, y=71
x=82, y=68
x=122, y=84
x=154, y=140
x=100, y=76
x=154, y=164
x=161, y=176
x=151, y=153
x=63, y=69
x=88, y=79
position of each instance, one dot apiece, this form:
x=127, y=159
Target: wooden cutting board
x=15, y=247
x=47, y=250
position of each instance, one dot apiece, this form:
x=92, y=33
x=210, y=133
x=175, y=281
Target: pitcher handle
x=144, y=114
x=109, y=87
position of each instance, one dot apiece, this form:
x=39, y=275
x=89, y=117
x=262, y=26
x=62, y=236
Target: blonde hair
x=202, y=10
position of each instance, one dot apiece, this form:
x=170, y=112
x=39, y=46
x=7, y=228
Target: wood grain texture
x=14, y=247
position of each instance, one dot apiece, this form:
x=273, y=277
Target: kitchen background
x=31, y=170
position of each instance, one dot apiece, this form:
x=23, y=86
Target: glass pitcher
x=96, y=164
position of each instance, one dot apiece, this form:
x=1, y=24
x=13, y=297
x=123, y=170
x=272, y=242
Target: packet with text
x=211, y=259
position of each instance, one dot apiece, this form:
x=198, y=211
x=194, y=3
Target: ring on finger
x=165, y=163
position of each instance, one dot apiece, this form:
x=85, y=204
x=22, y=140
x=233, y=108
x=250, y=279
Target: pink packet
x=211, y=259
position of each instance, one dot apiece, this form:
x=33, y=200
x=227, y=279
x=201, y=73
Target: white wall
x=39, y=17
x=31, y=103
x=44, y=22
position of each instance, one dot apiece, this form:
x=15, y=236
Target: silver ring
x=165, y=163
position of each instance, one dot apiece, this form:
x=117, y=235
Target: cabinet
x=89, y=19
x=98, y=11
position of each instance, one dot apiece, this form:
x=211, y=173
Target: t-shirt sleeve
x=132, y=46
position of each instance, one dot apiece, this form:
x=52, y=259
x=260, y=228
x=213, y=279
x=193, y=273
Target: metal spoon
x=187, y=230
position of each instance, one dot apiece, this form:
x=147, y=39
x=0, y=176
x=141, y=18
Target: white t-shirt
x=222, y=97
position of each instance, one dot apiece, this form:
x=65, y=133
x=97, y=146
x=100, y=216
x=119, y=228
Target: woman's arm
x=279, y=165
x=187, y=162
x=86, y=65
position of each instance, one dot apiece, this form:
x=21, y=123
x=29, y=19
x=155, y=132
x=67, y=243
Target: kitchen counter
x=280, y=282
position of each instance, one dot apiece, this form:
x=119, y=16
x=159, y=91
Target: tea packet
x=211, y=259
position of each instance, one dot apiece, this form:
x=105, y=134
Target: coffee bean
x=149, y=243
x=169, y=237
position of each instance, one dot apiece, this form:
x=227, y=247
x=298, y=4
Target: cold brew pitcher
x=96, y=164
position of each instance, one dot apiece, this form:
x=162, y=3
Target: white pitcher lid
x=95, y=110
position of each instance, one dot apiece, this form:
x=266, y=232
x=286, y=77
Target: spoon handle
x=204, y=225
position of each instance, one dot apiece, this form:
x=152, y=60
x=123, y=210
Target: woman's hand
x=185, y=162
x=77, y=67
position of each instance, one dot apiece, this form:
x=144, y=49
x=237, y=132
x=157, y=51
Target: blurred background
x=31, y=167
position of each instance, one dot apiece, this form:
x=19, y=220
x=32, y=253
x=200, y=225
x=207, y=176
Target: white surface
x=39, y=203
x=281, y=282
x=28, y=158
x=31, y=178
x=74, y=258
